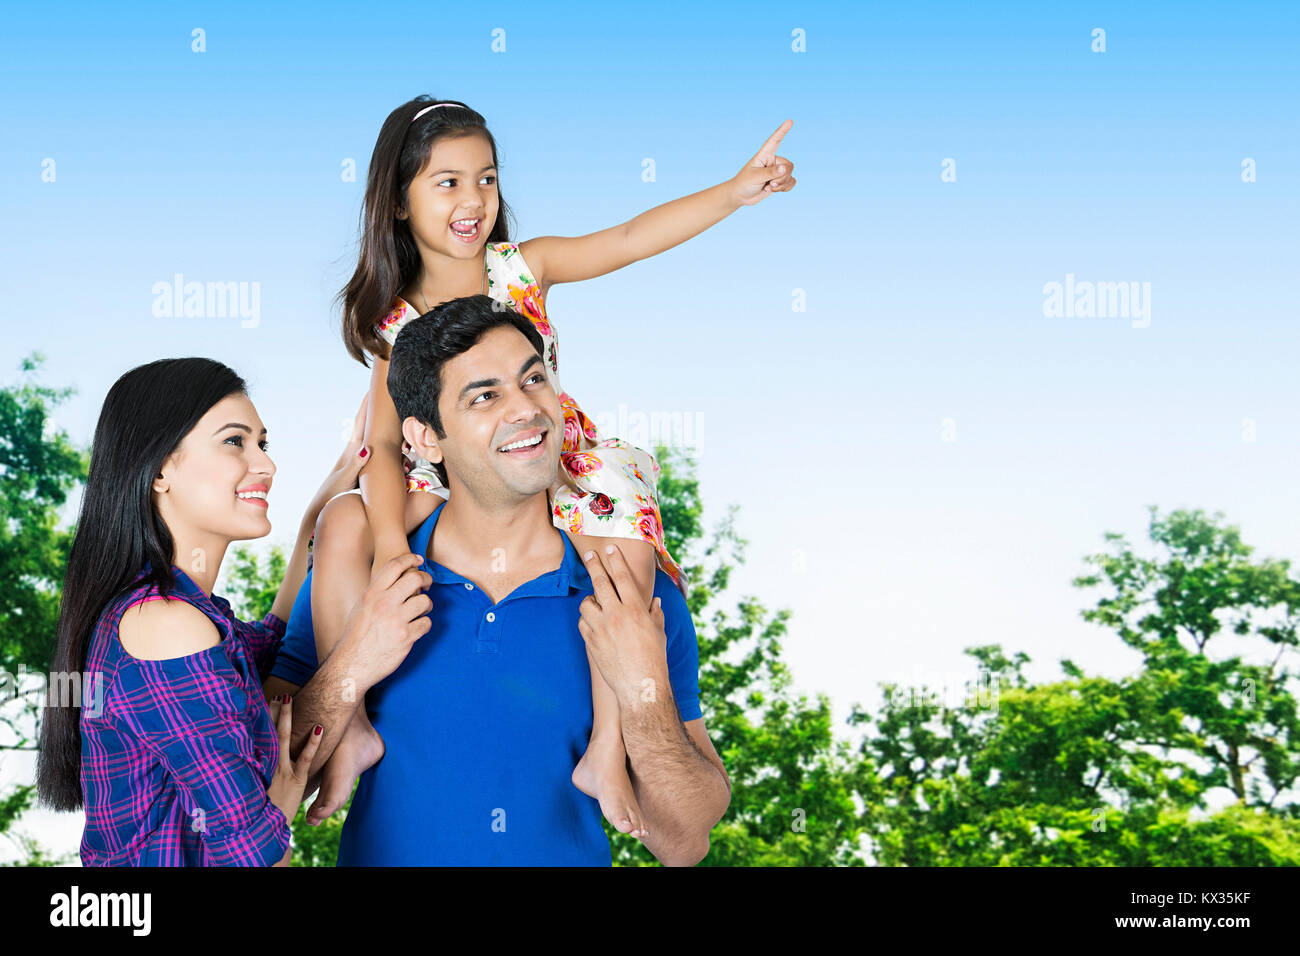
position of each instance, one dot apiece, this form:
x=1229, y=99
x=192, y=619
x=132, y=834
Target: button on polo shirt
x=484, y=722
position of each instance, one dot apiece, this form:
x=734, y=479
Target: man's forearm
x=680, y=792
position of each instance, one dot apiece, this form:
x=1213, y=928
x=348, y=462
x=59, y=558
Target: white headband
x=433, y=107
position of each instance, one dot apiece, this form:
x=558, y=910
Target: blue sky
x=924, y=319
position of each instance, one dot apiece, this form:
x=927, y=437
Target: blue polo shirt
x=484, y=722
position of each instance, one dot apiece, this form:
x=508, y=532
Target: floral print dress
x=605, y=487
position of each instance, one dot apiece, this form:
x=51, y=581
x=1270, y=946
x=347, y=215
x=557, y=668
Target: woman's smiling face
x=458, y=183
x=216, y=481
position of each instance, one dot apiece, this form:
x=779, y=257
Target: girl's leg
x=602, y=771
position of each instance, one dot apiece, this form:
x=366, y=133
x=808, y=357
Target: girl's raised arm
x=555, y=259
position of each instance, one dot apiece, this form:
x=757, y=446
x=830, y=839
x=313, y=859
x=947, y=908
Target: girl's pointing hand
x=766, y=173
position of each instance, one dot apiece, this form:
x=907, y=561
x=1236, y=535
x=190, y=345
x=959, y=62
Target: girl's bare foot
x=360, y=748
x=602, y=773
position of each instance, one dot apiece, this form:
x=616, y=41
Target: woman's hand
x=290, y=781
x=759, y=179
x=344, y=475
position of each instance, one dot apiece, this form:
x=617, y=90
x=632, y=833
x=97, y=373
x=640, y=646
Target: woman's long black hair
x=389, y=259
x=147, y=413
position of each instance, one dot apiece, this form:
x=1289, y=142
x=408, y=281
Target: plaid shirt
x=175, y=765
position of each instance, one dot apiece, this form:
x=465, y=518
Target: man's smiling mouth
x=529, y=446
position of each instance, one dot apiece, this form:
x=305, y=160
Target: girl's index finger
x=769, y=148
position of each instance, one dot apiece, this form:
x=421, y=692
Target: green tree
x=1238, y=717
x=1091, y=771
x=39, y=468
x=250, y=585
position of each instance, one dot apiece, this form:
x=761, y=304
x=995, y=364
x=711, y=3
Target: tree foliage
x=39, y=468
x=1089, y=771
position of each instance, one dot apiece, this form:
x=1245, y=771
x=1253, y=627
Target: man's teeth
x=251, y=494
x=527, y=443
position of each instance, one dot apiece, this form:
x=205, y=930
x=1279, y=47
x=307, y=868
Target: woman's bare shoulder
x=164, y=629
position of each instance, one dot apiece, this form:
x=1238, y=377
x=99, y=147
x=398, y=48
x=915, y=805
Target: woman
x=176, y=756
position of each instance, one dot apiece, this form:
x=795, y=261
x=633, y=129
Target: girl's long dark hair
x=147, y=413
x=389, y=259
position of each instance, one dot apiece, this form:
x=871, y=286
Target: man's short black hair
x=427, y=343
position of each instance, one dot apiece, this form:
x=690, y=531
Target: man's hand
x=682, y=793
x=392, y=615
x=626, y=640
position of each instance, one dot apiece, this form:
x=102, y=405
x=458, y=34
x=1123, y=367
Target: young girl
x=170, y=745
x=434, y=229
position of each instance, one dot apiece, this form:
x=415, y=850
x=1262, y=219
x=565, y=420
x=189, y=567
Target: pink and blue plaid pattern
x=175, y=766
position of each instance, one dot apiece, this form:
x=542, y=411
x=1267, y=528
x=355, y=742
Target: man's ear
x=421, y=438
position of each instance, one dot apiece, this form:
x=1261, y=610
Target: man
x=486, y=717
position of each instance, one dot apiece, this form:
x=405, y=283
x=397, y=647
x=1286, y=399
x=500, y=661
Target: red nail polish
x=364, y=452
x=317, y=731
